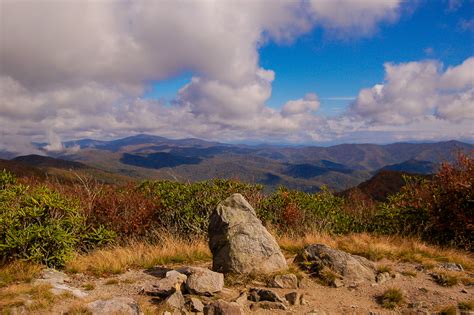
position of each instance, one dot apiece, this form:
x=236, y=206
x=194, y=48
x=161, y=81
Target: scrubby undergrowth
x=49, y=223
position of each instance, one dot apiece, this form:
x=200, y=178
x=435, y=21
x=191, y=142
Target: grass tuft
x=88, y=286
x=111, y=282
x=445, y=279
x=118, y=259
x=32, y=297
x=384, y=268
x=392, y=298
x=448, y=310
x=466, y=305
x=18, y=272
x=409, y=273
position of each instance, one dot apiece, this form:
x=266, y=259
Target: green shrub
x=392, y=298
x=440, y=211
x=38, y=224
x=184, y=208
x=297, y=210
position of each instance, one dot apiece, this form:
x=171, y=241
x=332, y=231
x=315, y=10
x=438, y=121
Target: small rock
x=464, y=291
x=267, y=305
x=373, y=313
x=383, y=277
x=305, y=283
x=293, y=298
x=195, y=305
x=116, y=305
x=337, y=283
x=57, y=280
x=353, y=285
x=422, y=289
x=203, y=281
x=242, y=299
x=303, y=301
x=221, y=307
x=258, y=295
x=288, y=281
x=166, y=286
x=175, y=300
x=451, y=266
x=317, y=312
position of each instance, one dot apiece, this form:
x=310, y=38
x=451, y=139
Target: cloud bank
x=75, y=69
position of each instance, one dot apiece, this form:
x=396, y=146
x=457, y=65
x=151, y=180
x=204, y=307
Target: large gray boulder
x=239, y=242
x=351, y=267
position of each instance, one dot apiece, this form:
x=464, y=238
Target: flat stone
x=116, y=305
x=287, y=281
x=258, y=295
x=451, y=266
x=267, y=305
x=315, y=258
x=221, y=307
x=58, y=282
x=175, y=300
x=242, y=298
x=202, y=281
x=171, y=283
x=195, y=305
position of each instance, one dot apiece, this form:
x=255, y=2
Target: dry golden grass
x=18, y=272
x=118, y=259
x=32, y=297
x=376, y=247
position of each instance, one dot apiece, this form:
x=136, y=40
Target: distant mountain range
x=306, y=167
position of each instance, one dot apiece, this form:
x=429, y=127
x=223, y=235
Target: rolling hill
x=305, y=168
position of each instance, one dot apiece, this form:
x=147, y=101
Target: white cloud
x=417, y=89
x=76, y=69
x=306, y=105
x=359, y=16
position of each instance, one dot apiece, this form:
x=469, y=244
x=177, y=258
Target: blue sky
x=337, y=67
x=290, y=71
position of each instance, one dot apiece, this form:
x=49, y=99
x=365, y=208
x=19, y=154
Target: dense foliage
x=40, y=225
x=46, y=221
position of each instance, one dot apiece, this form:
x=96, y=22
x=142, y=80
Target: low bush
x=183, y=209
x=440, y=211
x=392, y=298
x=39, y=225
x=297, y=211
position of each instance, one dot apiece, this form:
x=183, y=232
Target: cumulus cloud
x=418, y=89
x=360, y=16
x=306, y=105
x=76, y=69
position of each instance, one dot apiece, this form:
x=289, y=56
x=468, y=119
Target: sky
x=312, y=72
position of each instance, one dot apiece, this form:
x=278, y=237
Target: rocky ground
x=422, y=295
x=249, y=274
